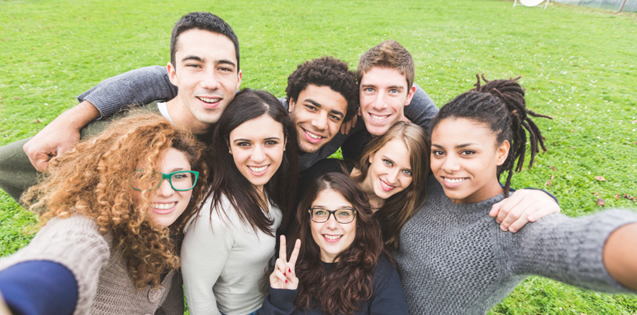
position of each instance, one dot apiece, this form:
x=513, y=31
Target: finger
x=41, y=162
x=279, y=276
x=518, y=213
x=281, y=266
x=282, y=248
x=543, y=211
x=355, y=119
x=495, y=209
x=64, y=148
x=506, y=207
x=518, y=224
x=294, y=255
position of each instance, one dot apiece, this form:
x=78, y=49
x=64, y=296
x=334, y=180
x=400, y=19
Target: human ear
x=172, y=73
x=291, y=104
x=502, y=152
x=371, y=157
x=410, y=95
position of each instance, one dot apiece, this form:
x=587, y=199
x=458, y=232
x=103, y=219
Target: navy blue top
x=39, y=287
x=387, y=298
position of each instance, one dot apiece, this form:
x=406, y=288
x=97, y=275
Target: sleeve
x=204, y=253
x=389, y=297
x=422, y=109
x=569, y=250
x=174, y=303
x=74, y=243
x=135, y=87
x=39, y=287
x=278, y=302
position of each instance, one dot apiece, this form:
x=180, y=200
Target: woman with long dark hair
x=227, y=247
x=342, y=266
x=112, y=212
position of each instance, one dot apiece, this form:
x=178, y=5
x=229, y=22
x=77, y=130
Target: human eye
x=181, y=176
x=467, y=152
x=408, y=172
x=311, y=108
x=242, y=144
x=271, y=142
x=319, y=212
x=344, y=213
x=393, y=91
x=193, y=65
x=335, y=117
x=226, y=69
x=368, y=90
x=388, y=162
x=437, y=153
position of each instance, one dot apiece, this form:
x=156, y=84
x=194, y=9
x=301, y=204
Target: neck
x=183, y=118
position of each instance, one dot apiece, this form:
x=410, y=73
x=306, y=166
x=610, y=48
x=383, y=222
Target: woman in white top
x=228, y=245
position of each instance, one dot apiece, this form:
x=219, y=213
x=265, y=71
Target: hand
x=347, y=126
x=525, y=205
x=283, y=276
x=60, y=136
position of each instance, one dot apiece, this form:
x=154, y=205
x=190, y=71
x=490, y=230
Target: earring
x=230, y=152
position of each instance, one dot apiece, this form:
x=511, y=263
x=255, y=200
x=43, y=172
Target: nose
x=331, y=222
x=392, y=177
x=450, y=164
x=258, y=154
x=320, y=121
x=379, y=102
x=165, y=189
x=210, y=81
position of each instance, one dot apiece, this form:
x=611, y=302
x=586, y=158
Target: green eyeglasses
x=179, y=180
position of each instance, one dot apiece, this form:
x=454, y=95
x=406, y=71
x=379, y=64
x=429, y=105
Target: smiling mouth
x=379, y=117
x=164, y=206
x=332, y=237
x=312, y=137
x=454, y=180
x=209, y=100
x=258, y=170
x=385, y=186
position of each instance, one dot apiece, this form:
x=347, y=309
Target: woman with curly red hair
x=342, y=265
x=112, y=213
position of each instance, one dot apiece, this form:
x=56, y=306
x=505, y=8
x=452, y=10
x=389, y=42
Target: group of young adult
x=132, y=210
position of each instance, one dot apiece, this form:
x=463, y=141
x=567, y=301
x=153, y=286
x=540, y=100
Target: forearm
x=620, y=255
x=135, y=87
x=79, y=116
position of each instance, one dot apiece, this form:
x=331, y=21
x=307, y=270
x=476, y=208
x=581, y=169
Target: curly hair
x=93, y=180
x=325, y=71
x=500, y=105
x=350, y=280
x=398, y=208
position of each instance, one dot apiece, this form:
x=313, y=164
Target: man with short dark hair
x=204, y=65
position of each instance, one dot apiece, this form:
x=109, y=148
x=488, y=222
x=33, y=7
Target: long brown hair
x=398, y=208
x=349, y=282
x=227, y=180
x=93, y=180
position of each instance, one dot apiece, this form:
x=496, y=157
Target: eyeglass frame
x=168, y=177
x=333, y=212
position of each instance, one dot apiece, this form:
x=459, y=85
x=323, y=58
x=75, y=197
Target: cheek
x=316, y=231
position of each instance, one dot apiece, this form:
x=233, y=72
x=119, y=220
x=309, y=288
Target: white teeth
x=454, y=180
x=258, y=169
x=384, y=184
x=313, y=136
x=332, y=237
x=378, y=117
x=163, y=206
x=208, y=100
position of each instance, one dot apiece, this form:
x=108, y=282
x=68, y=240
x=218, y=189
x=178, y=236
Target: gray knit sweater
x=454, y=259
x=104, y=284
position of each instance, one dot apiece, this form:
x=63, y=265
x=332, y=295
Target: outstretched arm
x=620, y=255
x=135, y=87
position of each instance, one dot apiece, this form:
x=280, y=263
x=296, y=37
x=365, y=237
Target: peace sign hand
x=283, y=276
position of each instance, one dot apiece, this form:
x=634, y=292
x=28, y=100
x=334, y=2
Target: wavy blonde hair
x=93, y=180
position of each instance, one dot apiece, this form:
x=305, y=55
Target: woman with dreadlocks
x=454, y=259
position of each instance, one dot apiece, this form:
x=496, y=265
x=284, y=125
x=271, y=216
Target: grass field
x=578, y=65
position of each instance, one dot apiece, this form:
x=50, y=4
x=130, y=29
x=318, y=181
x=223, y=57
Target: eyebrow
x=333, y=111
x=464, y=145
x=197, y=58
x=248, y=140
x=397, y=87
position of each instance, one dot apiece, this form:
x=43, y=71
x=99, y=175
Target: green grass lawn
x=578, y=65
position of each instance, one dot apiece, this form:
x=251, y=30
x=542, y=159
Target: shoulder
x=384, y=271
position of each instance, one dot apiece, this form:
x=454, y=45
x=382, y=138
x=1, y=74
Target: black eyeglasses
x=179, y=180
x=341, y=215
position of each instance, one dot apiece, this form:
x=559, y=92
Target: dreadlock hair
x=500, y=105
